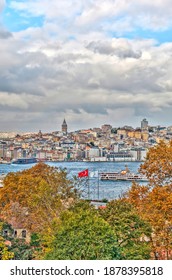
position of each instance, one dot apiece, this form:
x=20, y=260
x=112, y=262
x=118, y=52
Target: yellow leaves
x=158, y=164
x=155, y=206
x=4, y=253
x=152, y=202
x=36, y=196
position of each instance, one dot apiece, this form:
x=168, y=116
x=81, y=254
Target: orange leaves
x=155, y=206
x=154, y=202
x=36, y=196
x=158, y=165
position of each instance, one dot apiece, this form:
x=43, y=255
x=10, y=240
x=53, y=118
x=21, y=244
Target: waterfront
x=97, y=189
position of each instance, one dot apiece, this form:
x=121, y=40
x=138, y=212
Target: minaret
x=64, y=127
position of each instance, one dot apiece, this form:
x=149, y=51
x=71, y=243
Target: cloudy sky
x=90, y=61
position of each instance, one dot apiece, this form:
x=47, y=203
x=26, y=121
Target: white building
x=138, y=154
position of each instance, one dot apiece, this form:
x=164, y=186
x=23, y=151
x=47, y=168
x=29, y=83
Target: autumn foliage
x=155, y=207
x=35, y=197
x=158, y=164
x=154, y=201
x=5, y=253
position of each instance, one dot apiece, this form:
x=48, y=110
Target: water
x=95, y=189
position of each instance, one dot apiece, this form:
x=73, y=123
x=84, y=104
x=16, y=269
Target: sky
x=91, y=62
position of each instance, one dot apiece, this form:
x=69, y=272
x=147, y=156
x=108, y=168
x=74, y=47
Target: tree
x=83, y=235
x=5, y=254
x=154, y=202
x=35, y=197
x=4, y=251
x=158, y=164
x=131, y=232
x=21, y=250
x=17, y=248
x=154, y=205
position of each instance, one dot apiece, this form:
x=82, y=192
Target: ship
x=123, y=175
x=24, y=160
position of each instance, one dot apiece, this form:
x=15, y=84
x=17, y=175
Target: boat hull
x=115, y=176
x=116, y=179
x=24, y=161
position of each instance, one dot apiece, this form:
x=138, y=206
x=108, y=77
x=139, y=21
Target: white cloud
x=12, y=100
x=119, y=16
x=49, y=77
x=100, y=10
x=48, y=9
x=2, y=4
x=82, y=71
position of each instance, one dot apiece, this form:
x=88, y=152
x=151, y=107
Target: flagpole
x=98, y=185
x=85, y=174
x=88, y=185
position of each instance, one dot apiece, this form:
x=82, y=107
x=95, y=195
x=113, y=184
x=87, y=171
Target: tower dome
x=64, y=127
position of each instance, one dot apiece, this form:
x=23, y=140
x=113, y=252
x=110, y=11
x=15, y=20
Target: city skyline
x=65, y=128
x=88, y=62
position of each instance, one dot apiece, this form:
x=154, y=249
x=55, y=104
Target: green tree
x=5, y=254
x=17, y=248
x=83, y=235
x=21, y=250
x=129, y=229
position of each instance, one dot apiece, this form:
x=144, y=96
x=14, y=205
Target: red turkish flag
x=83, y=173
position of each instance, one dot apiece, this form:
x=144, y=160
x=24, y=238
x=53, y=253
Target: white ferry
x=124, y=175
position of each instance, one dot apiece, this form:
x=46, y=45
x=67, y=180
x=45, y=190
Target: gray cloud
x=121, y=49
x=83, y=82
x=4, y=34
x=89, y=78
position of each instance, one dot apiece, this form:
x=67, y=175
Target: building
x=106, y=128
x=40, y=134
x=64, y=127
x=145, y=136
x=137, y=134
x=144, y=124
x=138, y=153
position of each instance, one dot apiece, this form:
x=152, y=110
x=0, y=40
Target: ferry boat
x=24, y=161
x=123, y=175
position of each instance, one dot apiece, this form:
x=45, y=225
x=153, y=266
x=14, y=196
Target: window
x=23, y=233
x=5, y=232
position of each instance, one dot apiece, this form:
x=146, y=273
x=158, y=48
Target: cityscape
x=105, y=143
x=86, y=138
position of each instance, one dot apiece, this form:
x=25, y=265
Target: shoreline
x=81, y=161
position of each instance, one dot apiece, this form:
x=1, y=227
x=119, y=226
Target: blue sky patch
x=16, y=21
